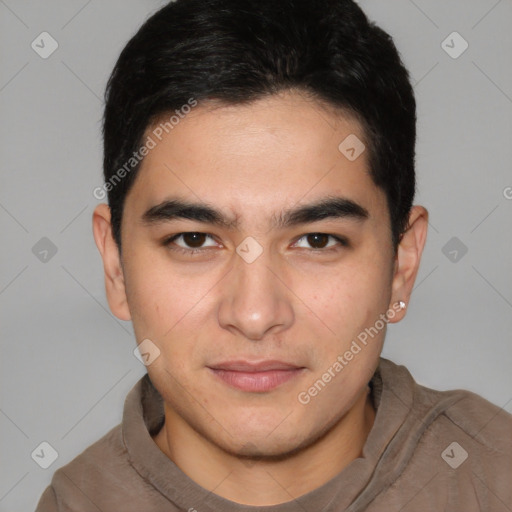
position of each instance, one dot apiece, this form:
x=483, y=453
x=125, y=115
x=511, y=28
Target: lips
x=247, y=366
x=254, y=377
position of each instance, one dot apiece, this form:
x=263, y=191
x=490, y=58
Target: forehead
x=257, y=157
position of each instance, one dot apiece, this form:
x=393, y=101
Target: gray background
x=67, y=363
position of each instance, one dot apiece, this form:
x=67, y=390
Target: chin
x=266, y=443
x=254, y=450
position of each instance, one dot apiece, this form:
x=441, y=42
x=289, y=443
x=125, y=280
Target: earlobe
x=408, y=260
x=114, y=277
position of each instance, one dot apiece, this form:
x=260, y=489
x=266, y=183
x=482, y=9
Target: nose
x=256, y=303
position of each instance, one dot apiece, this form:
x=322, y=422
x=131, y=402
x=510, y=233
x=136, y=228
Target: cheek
x=164, y=300
x=351, y=290
x=346, y=301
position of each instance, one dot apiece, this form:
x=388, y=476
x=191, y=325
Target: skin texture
x=294, y=303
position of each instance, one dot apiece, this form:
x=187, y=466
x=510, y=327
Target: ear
x=407, y=260
x=114, y=277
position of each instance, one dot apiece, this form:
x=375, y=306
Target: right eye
x=192, y=242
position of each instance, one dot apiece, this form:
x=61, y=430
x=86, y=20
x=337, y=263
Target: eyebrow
x=326, y=208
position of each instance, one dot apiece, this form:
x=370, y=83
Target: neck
x=264, y=482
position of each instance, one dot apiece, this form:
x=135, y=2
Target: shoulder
x=471, y=438
x=456, y=437
x=459, y=411
x=99, y=461
x=87, y=481
x=464, y=412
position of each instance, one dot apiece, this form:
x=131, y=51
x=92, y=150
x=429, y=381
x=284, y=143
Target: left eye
x=321, y=240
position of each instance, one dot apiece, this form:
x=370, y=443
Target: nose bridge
x=256, y=300
x=256, y=279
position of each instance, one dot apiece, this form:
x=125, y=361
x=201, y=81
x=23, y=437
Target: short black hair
x=237, y=51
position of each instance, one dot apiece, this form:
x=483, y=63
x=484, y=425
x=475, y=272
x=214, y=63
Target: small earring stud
x=401, y=304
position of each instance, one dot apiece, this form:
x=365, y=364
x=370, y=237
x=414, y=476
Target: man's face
x=300, y=303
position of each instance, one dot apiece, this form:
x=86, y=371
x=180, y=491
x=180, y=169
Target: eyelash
x=167, y=242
